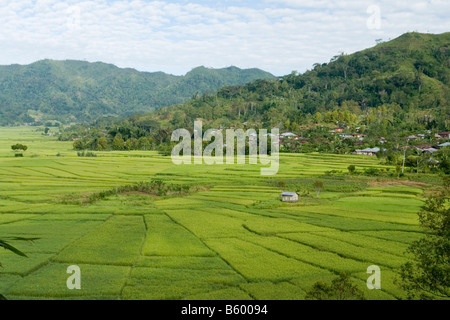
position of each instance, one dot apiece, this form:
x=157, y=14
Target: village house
x=346, y=136
x=288, y=135
x=289, y=197
x=413, y=137
x=444, y=134
x=368, y=151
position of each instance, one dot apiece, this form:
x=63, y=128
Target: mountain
x=78, y=91
x=408, y=76
x=395, y=89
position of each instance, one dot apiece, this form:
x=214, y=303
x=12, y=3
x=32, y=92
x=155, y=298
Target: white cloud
x=175, y=36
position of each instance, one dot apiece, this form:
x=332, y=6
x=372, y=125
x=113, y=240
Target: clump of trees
x=351, y=169
x=341, y=288
x=155, y=187
x=428, y=274
x=115, y=141
x=19, y=148
x=87, y=154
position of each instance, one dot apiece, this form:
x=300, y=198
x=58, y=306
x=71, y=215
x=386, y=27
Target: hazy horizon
x=278, y=36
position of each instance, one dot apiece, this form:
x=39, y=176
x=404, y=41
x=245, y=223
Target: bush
x=86, y=154
x=372, y=171
x=351, y=169
x=340, y=288
x=155, y=187
x=332, y=172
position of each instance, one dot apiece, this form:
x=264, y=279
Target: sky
x=279, y=36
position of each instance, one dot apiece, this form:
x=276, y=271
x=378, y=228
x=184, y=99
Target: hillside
x=391, y=91
x=410, y=75
x=78, y=91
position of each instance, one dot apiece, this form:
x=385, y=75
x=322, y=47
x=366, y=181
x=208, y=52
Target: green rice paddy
x=234, y=240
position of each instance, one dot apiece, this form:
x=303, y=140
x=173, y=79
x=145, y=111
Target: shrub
x=372, y=171
x=351, y=169
x=341, y=288
x=86, y=154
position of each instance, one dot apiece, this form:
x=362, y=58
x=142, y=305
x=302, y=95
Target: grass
x=115, y=242
x=234, y=239
x=166, y=238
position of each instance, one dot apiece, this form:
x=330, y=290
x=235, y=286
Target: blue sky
x=175, y=36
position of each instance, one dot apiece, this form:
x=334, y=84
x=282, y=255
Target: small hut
x=289, y=197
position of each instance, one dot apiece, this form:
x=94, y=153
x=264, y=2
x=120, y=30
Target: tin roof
x=288, y=194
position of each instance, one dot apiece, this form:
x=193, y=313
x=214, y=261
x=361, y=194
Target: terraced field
x=234, y=240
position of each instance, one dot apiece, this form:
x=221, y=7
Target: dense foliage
x=385, y=93
x=341, y=288
x=427, y=276
x=78, y=91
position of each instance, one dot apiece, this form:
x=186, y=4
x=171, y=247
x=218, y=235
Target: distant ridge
x=78, y=91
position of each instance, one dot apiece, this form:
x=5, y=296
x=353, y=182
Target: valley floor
x=234, y=240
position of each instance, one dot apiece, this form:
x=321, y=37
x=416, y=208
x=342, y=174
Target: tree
x=351, y=169
x=18, y=149
x=318, y=186
x=102, y=144
x=282, y=185
x=118, y=143
x=428, y=275
x=341, y=288
x=398, y=170
x=144, y=143
x=79, y=145
x=134, y=143
x=421, y=157
x=443, y=156
x=128, y=145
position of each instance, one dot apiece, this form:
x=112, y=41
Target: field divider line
x=62, y=170
x=51, y=259
x=288, y=256
x=343, y=217
x=137, y=258
x=42, y=172
x=326, y=250
x=10, y=198
x=380, y=238
x=239, y=209
x=217, y=253
x=312, y=264
x=24, y=219
x=322, y=234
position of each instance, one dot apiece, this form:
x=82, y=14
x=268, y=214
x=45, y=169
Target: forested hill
x=392, y=91
x=407, y=78
x=78, y=91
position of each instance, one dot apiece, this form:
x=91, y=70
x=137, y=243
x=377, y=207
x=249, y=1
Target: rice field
x=234, y=239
